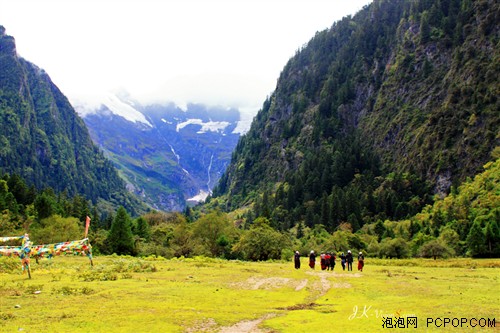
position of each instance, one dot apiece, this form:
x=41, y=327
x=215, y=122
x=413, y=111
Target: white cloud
x=217, y=52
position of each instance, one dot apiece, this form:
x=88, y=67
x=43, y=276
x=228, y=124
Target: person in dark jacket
x=349, y=259
x=342, y=260
x=296, y=259
x=332, y=260
x=312, y=259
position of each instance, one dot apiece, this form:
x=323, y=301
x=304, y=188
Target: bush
x=394, y=248
x=434, y=249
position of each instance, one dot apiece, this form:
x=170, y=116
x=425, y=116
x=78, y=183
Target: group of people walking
x=327, y=260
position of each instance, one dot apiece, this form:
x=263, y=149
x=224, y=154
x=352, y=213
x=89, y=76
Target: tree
x=261, y=242
x=45, y=204
x=476, y=240
x=210, y=228
x=56, y=229
x=425, y=30
x=182, y=242
x=379, y=229
x=120, y=238
x=142, y=229
x=394, y=248
x=434, y=249
x=492, y=233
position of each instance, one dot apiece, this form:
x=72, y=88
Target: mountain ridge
x=362, y=124
x=43, y=139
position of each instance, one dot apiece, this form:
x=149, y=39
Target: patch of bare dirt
x=269, y=283
x=207, y=325
x=301, y=285
x=341, y=285
x=323, y=285
x=247, y=326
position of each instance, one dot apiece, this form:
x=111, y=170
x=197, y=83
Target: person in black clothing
x=349, y=259
x=296, y=259
x=342, y=260
x=312, y=259
x=332, y=261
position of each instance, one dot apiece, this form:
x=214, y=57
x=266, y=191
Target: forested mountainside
x=373, y=117
x=43, y=140
x=171, y=156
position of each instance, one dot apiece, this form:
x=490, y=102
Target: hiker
x=296, y=259
x=332, y=261
x=312, y=259
x=342, y=260
x=323, y=261
x=349, y=259
x=361, y=261
x=328, y=257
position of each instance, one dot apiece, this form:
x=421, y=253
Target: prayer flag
x=87, y=224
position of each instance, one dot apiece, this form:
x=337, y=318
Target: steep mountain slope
x=43, y=140
x=167, y=155
x=373, y=116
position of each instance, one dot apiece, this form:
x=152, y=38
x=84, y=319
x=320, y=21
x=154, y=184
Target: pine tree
x=142, y=229
x=492, y=233
x=120, y=238
x=475, y=240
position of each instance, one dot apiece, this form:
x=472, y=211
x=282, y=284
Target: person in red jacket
x=328, y=258
x=361, y=261
x=323, y=261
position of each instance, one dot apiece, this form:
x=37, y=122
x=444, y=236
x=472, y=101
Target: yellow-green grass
x=208, y=295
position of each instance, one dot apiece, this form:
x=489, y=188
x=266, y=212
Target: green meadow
x=126, y=294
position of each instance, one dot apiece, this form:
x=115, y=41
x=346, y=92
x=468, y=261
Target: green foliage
x=56, y=229
x=434, y=249
x=142, y=229
x=214, y=231
x=261, y=242
x=45, y=204
x=394, y=248
x=120, y=238
x=475, y=240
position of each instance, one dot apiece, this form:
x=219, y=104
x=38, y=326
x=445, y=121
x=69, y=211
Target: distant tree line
x=465, y=223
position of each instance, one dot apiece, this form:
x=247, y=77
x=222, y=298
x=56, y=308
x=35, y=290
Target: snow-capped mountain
x=168, y=156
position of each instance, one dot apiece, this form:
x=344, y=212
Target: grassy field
x=122, y=294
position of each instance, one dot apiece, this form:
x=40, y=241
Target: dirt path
x=247, y=326
x=323, y=286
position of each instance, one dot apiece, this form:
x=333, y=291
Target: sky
x=225, y=53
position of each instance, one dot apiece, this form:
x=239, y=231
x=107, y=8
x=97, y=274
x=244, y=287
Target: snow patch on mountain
x=125, y=110
x=200, y=197
x=212, y=126
x=246, y=118
x=115, y=105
